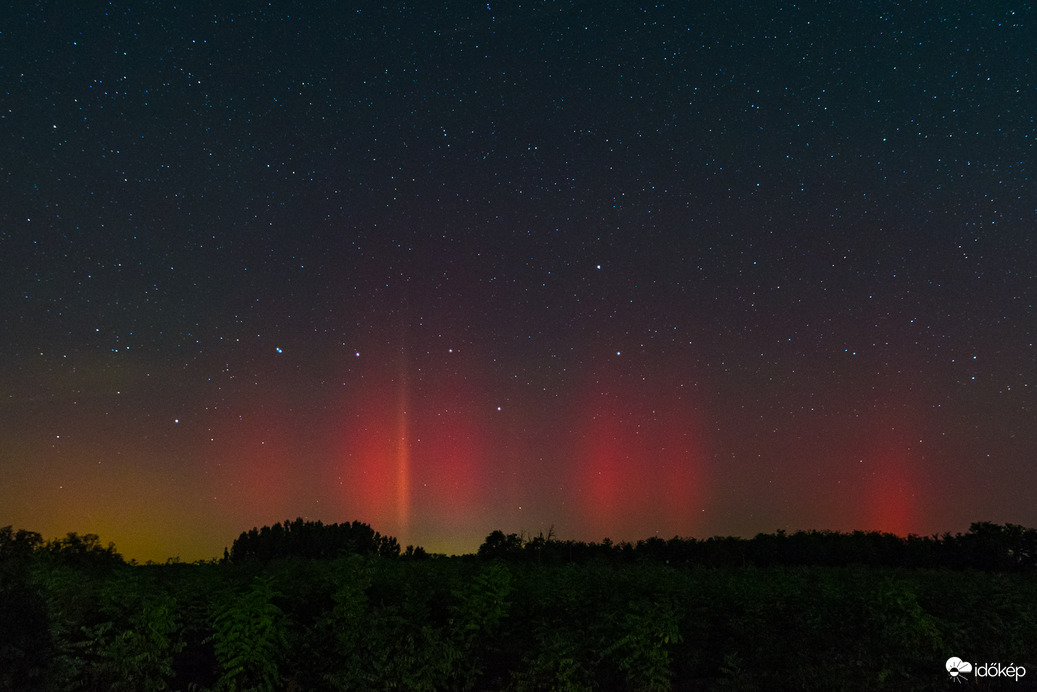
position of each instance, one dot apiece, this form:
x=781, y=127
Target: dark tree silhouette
x=311, y=539
x=25, y=640
x=18, y=544
x=987, y=546
x=82, y=551
x=499, y=545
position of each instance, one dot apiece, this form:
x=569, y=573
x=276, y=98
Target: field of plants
x=76, y=617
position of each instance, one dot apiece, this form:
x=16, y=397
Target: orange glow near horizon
x=440, y=457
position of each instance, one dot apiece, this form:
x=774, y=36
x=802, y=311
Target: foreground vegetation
x=310, y=607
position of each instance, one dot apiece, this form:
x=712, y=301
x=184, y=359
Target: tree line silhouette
x=986, y=546
x=73, y=549
x=311, y=539
x=306, y=605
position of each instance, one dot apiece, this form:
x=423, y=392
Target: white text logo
x=957, y=669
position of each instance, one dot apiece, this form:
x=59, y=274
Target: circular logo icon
x=955, y=666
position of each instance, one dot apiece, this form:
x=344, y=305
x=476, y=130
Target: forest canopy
x=311, y=539
x=306, y=605
x=986, y=546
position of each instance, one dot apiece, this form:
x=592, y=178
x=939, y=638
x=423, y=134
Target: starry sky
x=623, y=270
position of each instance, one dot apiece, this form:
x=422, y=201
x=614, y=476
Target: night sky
x=692, y=269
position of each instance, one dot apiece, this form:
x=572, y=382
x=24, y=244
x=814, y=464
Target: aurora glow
x=687, y=270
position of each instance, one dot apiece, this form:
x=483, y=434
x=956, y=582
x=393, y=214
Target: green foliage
x=143, y=655
x=348, y=621
x=554, y=661
x=480, y=608
x=538, y=616
x=113, y=630
x=387, y=632
x=25, y=642
x=563, y=647
x=249, y=638
x=72, y=605
x=649, y=629
x=483, y=603
x=902, y=629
